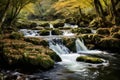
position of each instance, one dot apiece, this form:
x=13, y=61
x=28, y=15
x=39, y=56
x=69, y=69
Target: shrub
x=16, y=35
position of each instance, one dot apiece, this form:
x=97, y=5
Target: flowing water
x=70, y=69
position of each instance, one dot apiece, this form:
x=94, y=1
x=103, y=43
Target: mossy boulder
x=103, y=31
x=116, y=35
x=70, y=43
x=31, y=61
x=111, y=44
x=59, y=24
x=91, y=38
x=81, y=30
x=56, y=32
x=54, y=56
x=89, y=59
x=114, y=29
x=36, y=41
x=16, y=35
x=44, y=24
x=44, y=32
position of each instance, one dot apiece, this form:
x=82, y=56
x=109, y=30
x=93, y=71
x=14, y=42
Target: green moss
x=70, y=43
x=54, y=56
x=114, y=29
x=103, y=31
x=37, y=41
x=111, y=44
x=89, y=59
x=56, y=32
x=16, y=35
x=116, y=35
x=81, y=30
x=44, y=32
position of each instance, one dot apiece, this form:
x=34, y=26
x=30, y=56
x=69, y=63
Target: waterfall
x=51, y=26
x=57, y=46
x=80, y=46
x=30, y=33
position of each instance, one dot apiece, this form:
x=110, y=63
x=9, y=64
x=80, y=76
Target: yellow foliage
x=29, y=8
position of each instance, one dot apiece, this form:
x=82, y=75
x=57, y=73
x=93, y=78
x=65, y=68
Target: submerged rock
x=89, y=59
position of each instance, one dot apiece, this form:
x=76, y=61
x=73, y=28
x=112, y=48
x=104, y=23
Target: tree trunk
x=4, y=13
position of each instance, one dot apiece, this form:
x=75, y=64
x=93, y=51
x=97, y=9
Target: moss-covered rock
x=56, y=32
x=90, y=38
x=57, y=25
x=89, y=59
x=30, y=61
x=81, y=30
x=16, y=35
x=103, y=31
x=116, y=35
x=114, y=29
x=54, y=56
x=70, y=43
x=111, y=44
x=37, y=41
x=44, y=32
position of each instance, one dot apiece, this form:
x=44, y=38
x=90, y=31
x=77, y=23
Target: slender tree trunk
x=4, y=13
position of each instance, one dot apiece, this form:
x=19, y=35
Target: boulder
x=89, y=59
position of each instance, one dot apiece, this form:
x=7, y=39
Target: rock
x=81, y=30
x=54, y=56
x=89, y=59
x=103, y=31
x=111, y=44
x=16, y=35
x=56, y=32
x=116, y=35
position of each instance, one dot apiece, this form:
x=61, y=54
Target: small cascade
x=67, y=33
x=80, y=46
x=71, y=26
x=57, y=46
x=51, y=25
x=93, y=31
x=30, y=33
x=50, y=33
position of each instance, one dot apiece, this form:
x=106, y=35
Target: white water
x=67, y=33
x=51, y=25
x=71, y=26
x=68, y=60
x=30, y=33
x=80, y=46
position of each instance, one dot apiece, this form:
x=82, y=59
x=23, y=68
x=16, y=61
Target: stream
x=69, y=68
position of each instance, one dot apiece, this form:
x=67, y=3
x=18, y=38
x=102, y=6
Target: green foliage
x=89, y=59
x=16, y=35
